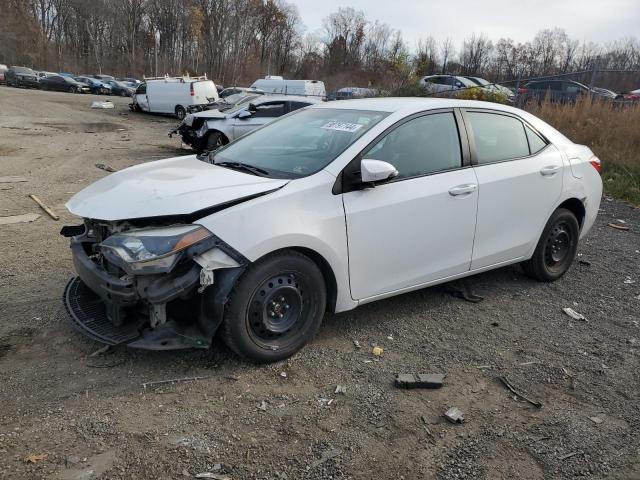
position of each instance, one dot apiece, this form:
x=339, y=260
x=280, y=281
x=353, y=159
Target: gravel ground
x=68, y=415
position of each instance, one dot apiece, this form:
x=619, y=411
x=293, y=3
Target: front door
x=419, y=227
x=263, y=113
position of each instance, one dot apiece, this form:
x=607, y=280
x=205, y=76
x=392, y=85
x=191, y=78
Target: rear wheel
x=72, y=89
x=275, y=308
x=180, y=112
x=556, y=248
x=123, y=93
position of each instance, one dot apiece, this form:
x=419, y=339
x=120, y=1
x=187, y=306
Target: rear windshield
x=302, y=143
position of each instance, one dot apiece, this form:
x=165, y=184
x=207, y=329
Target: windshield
x=302, y=143
x=22, y=70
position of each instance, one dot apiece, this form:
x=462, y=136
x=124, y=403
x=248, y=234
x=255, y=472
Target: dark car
x=21, y=77
x=64, y=84
x=120, y=88
x=96, y=86
x=563, y=91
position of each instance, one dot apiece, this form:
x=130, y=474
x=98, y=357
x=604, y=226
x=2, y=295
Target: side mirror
x=374, y=171
x=243, y=115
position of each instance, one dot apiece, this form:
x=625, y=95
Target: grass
x=611, y=130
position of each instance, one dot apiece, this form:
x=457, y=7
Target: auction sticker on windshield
x=342, y=126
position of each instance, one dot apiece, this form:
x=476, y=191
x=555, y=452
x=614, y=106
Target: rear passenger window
x=497, y=137
x=421, y=146
x=270, y=110
x=536, y=143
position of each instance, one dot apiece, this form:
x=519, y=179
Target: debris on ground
x=215, y=476
x=340, y=390
x=12, y=179
x=102, y=104
x=585, y=263
x=105, y=167
x=465, y=292
x=356, y=344
x=41, y=204
x=421, y=380
x=596, y=420
x=617, y=227
x=454, y=415
x=35, y=457
x=100, y=351
x=173, y=380
x=569, y=455
x=629, y=281
x=283, y=374
x=377, y=351
x=262, y=406
x=573, y=314
x=326, y=456
x=506, y=383
x=25, y=218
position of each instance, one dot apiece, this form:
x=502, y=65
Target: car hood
x=175, y=186
x=205, y=114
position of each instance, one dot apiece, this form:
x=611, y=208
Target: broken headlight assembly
x=153, y=250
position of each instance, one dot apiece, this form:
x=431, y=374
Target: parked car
x=173, y=95
x=226, y=103
x=492, y=87
x=633, y=95
x=607, y=93
x=235, y=90
x=211, y=129
x=64, y=84
x=96, y=87
x=349, y=93
x=441, y=84
x=119, y=88
x=275, y=85
x=330, y=207
x=563, y=91
x=21, y=77
x=103, y=77
x=3, y=69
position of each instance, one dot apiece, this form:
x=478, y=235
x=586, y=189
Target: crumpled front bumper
x=116, y=309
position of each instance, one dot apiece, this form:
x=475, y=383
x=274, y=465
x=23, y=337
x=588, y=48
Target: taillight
x=191, y=89
x=595, y=163
x=522, y=90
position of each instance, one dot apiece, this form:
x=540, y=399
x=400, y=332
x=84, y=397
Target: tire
x=123, y=93
x=71, y=89
x=180, y=112
x=214, y=141
x=275, y=308
x=556, y=248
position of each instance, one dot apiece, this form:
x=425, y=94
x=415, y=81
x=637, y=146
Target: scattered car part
x=421, y=380
x=506, y=383
x=44, y=207
x=454, y=415
x=573, y=314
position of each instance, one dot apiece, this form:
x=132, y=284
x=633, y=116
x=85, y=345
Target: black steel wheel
x=180, y=112
x=556, y=248
x=275, y=308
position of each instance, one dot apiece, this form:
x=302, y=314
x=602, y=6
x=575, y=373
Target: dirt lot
x=68, y=415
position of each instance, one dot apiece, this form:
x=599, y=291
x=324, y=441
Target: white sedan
x=330, y=207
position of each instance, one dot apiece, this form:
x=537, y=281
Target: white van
x=174, y=94
x=277, y=85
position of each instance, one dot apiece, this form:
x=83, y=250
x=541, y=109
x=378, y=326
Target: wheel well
x=327, y=273
x=576, y=207
x=226, y=139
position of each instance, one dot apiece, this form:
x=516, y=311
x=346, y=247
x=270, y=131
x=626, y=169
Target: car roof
x=409, y=105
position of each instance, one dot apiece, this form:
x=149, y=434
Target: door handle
x=549, y=170
x=462, y=189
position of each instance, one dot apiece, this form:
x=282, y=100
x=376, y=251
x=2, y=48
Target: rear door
x=519, y=180
x=141, y=97
x=264, y=113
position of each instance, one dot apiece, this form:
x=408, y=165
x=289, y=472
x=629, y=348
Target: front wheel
x=215, y=140
x=275, y=308
x=180, y=112
x=556, y=248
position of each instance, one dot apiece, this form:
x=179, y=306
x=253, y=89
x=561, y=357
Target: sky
x=599, y=21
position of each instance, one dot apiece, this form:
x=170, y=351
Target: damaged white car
x=327, y=208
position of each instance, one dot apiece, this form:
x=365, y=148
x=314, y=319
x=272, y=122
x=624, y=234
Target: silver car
x=210, y=129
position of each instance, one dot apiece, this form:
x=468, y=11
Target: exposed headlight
x=153, y=250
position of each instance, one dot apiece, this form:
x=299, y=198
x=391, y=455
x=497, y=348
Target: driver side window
x=422, y=146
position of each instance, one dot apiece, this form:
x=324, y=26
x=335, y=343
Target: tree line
x=237, y=41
